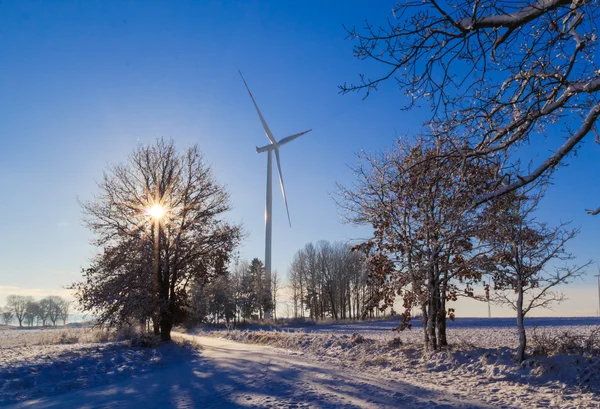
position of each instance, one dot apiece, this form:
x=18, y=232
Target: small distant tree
x=55, y=308
x=63, y=314
x=7, y=316
x=275, y=283
x=248, y=297
x=527, y=252
x=238, y=291
x=32, y=312
x=18, y=305
x=46, y=306
x=261, y=285
x=297, y=284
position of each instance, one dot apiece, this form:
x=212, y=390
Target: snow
x=226, y=374
x=324, y=366
x=480, y=364
x=36, y=370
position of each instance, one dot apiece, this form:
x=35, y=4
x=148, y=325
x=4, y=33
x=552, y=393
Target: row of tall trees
x=246, y=292
x=25, y=309
x=328, y=280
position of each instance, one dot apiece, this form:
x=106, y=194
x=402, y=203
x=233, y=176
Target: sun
x=156, y=211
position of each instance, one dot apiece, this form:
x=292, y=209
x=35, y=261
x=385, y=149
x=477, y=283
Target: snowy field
x=563, y=370
x=324, y=366
x=480, y=332
x=41, y=362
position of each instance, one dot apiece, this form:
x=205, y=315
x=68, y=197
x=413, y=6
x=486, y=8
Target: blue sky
x=82, y=83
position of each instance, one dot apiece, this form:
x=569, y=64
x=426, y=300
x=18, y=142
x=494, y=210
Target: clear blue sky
x=82, y=83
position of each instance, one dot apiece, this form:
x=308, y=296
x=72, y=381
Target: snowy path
x=233, y=375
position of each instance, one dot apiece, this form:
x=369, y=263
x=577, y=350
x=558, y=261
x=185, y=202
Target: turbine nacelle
x=277, y=145
x=267, y=148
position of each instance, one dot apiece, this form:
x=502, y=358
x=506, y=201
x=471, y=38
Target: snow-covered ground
x=480, y=363
x=227, y=374
x=331, y=366
x=41, y=362
x=13, y=336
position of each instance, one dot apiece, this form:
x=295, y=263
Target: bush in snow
x=549, y=344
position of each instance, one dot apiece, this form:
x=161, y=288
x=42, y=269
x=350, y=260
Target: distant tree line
x=327, y=280
x=26, y=310
x=246, y=292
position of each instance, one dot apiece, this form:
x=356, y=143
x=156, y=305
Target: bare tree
x=45, y=310
x=64, y=308
x=239, y=291
x=7, y=316
x=32, y=311
x=525, y=251
x=275, y=284
x=496, y=74
x=423, y=246
x=53, y=306
x=328, y=280
x=297, y=283
x=187, y=240
x=18, y=304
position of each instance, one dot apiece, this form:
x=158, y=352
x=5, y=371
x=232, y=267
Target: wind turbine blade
x=282, y=186
x=292, y=137
x=262, y=120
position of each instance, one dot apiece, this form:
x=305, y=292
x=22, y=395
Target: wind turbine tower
x=273, y=146
x=598, y=275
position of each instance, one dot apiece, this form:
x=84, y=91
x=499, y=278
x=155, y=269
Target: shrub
x=395, y=343
x=144, y=341
x=548, y=344
x=66, y=338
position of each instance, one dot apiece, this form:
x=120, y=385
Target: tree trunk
x=424, y=319
x=155, y=325
x=521, y=323
x=432, y=316
x=165, y=329
x=441, y=322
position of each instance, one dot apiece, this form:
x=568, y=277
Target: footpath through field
x=232, y=375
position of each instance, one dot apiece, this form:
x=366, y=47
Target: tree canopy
x=149, y=258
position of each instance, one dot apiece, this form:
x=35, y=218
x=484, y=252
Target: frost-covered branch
x=495, y=75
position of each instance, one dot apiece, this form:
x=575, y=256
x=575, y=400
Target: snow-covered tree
x=526, y=269
x=159, y=222
x=496, y=74
x=423, y=245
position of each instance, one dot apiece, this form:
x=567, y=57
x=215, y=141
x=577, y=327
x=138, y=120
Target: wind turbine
x=598, y=275
x=273, y=146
